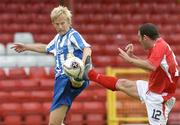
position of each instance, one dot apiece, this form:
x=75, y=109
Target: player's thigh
x=158, y=110
x=127, y=86
x=57, y=116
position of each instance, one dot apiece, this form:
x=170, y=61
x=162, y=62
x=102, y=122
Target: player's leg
x=57, y=116
x=109, y=82
x=113, y=83
x=158, y=109
x=64, y=94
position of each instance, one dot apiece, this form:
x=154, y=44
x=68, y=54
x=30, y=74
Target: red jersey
x=164, y=78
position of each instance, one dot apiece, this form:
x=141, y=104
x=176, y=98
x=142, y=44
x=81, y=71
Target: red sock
x=108, y=82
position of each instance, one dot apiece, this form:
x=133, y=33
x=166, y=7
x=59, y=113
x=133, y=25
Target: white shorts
x=157, y=109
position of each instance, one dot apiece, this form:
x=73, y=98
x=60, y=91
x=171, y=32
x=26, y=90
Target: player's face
x=61, y=24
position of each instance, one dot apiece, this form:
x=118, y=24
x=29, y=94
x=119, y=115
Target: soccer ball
x=73, y=67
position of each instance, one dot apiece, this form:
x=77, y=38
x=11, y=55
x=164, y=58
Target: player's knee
x=123, y=84
x=55, y=123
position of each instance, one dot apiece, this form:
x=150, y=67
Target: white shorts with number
x=157, y=109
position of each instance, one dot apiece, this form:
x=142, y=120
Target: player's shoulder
x=160, y=42
x=74, y=33
x=56, y=37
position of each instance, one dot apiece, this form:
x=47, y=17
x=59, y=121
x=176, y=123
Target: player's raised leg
x=109, y=82
x=57, y=115
x=113, y=83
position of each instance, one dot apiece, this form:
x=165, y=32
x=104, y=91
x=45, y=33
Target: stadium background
x=26, y=80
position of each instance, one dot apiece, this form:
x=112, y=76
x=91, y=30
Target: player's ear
x=146, y=37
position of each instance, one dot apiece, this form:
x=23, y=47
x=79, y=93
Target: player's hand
x=124, y=55
x=19, y=47
x=129, y=49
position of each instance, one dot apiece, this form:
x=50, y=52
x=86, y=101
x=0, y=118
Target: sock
x=108, y=82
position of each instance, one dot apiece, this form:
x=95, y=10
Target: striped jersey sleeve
x=78, y=41
x=50, y=48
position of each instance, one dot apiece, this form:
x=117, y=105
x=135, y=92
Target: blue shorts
x=64, y=93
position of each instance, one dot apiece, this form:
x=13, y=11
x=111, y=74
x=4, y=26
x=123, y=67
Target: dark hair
x=149, y=30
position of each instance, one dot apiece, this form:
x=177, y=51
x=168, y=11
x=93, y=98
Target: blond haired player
x=67, y=42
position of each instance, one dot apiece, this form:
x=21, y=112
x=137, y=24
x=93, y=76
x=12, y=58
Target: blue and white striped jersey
x=70, y=43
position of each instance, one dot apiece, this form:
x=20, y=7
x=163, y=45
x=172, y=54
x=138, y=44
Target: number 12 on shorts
x=156, y=114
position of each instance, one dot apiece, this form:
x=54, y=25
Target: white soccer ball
x=73, y=67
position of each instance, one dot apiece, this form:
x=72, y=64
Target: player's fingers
x=13, y=46
x=17, y=44
x=18, y=50
x=127, y=47
x=120, y=50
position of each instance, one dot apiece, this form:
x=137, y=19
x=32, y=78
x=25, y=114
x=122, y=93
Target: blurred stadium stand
x=25, y=94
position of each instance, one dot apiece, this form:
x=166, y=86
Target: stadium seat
x=2, y=74
x=46, y=107
x=29, y=84
x=95, y=106
x=99, y=94
x=174, y=118
x=5, y=17
x=176, y=107
x=10, y=108
x=85, y=96
x=101, y=61
x=32, y=108
x=2, y=49
x=51, y=74
x=4, y=96
x=6, y=38
x=14, y=28
x=43, y=38
x=41, y=96
x=76, y=106
x=95, y=119
x=19, y=96
x=12, y=119
x=43, y=18
x=9, y=85
x=94, y=85
x=125, y=108
x=26, y=60
x=23, y=19
x=17, y=73
x=23, y=37
x=45, y=60
x=177, y=93
x=33, y=120
x=75, y=119
x=7, y=61
x=37, y=73
x=47, y=84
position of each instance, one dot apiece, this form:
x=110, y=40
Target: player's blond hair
x=60, y=10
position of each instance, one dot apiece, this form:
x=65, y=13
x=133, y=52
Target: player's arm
x=86, y=52
x=38, y=47
x=141, y=63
